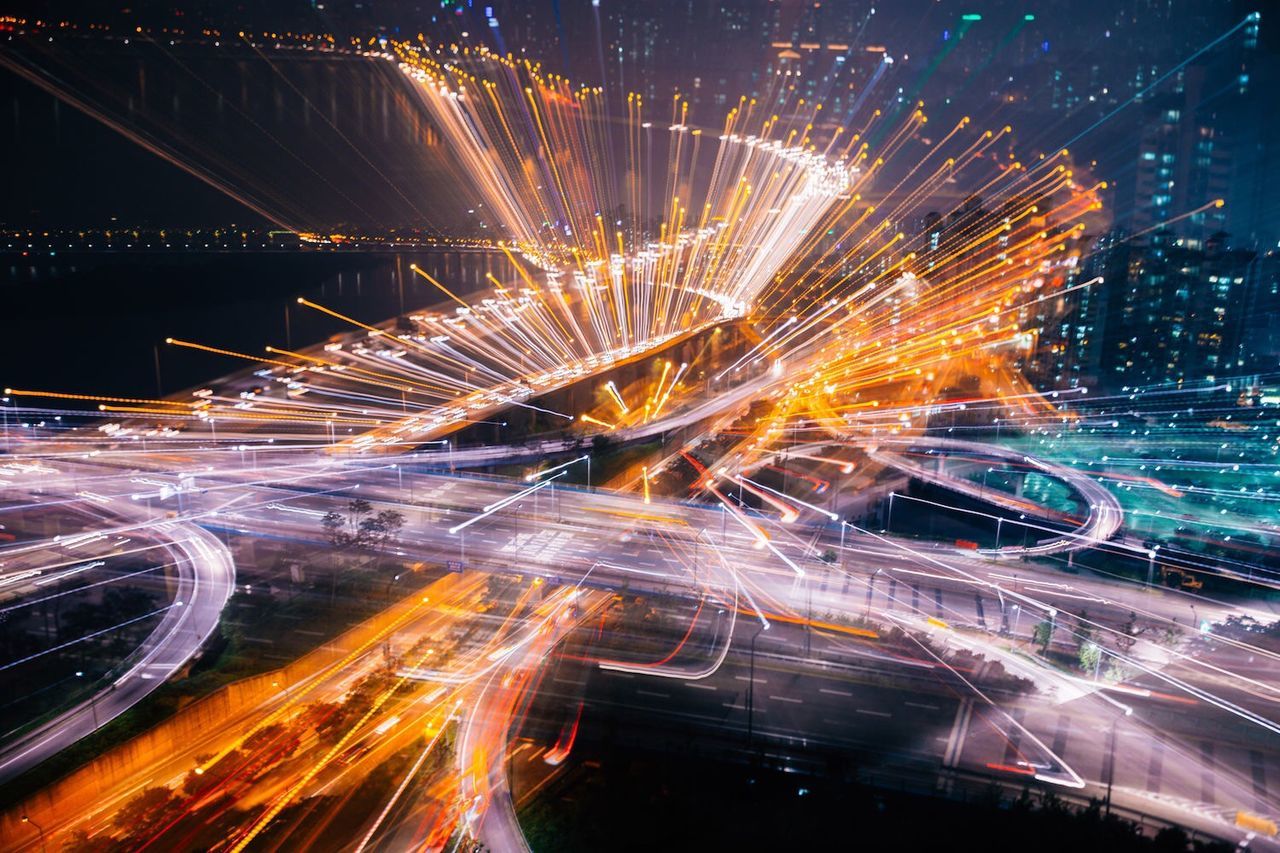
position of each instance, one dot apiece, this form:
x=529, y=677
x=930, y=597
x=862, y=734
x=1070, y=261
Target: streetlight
x=1151, y=565
x=808, y=620
x=93, y=702
x=39, y=829
x=1111, y=762
x=697, y=551
x=448, y=445
x=844, y=555
x=871, y=589
x=751, y=685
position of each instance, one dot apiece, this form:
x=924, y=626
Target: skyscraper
x=1182, y=165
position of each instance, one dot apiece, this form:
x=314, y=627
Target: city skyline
x=425, y=424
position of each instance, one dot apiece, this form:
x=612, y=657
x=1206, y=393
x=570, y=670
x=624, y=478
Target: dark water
x=97, y=128
x=92, y=323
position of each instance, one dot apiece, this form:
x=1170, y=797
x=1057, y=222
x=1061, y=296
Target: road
x=573, y=534
x=913, y=723
x=204, y=576
x=1103, y=515
x=603, y=539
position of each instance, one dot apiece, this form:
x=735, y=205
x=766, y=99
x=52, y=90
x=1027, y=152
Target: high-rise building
x=1182, y=165
x=1169, y=311
x=1259, y=347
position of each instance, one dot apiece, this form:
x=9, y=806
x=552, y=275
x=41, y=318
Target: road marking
x=698, y=686
x=921, y=705
x=959, y=729
x=745, y=678
x=834, y=692
x=788, y=699
x=874, y=713
x=654, y=693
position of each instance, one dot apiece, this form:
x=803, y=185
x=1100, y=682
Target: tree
x=333, y=524
x=1169, y=636
x=379, y=531
x=371, y=534
x=144, y=810
x=80, y=842
x=357, y=510
x=1090, y=656
x=1127, y=636
x=1043, y=634
x=391, y=521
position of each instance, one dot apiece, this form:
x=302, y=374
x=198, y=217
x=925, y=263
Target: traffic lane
x=373, y=474
x=843, y=699
x=903, y=725
x=1043, y=583
x=206, y=579
x=494, y=538
x=329, y=683
x=1203, y=766
x=523, y=550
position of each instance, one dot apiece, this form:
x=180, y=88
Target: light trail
x=505, y=502
x=539, y=474
x=854, y=329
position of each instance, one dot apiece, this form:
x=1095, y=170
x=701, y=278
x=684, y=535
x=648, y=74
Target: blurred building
x=1259, y=350
x=1168, y=311
x=1182, y=164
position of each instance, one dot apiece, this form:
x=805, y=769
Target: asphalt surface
x=615, y=541
x=204, y=578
